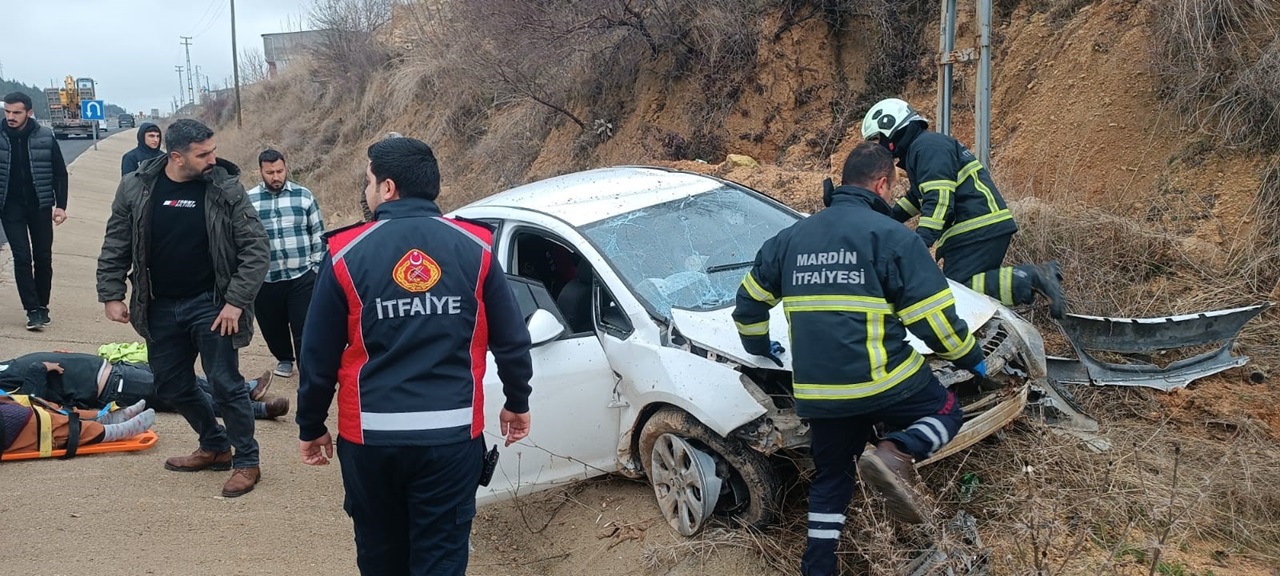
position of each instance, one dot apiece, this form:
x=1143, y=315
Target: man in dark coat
x=148, y=147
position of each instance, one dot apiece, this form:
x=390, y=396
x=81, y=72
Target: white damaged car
x=627, y=278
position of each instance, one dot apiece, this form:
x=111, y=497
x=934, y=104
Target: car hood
x=714, y=329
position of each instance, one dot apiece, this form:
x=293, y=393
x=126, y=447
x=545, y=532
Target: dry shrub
x=503, y=155
x=1219, y=65
x=1249, y=110
x=217, y=110
x=1049, y=504
x=1110, y=262
x=348, y=52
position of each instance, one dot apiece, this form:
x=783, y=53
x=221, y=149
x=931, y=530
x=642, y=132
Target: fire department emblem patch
x=416, y=272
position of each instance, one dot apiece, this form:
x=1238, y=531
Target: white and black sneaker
x=44, y=316
x=35, y=320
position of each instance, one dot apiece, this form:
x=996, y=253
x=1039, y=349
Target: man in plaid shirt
x=292, y=218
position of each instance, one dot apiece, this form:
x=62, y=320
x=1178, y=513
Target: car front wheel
x=696, y=473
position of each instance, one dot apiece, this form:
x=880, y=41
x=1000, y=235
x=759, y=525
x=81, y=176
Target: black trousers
x=979, y=265
x=922, y=424
x=411, y=506
x=30, y=233
x=281, y=308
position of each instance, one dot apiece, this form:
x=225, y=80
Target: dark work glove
x=757, y=348
x=775, y=348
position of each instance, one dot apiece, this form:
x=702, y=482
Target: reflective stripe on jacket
x=402, y=314
x=852, y=282
x=952, y=193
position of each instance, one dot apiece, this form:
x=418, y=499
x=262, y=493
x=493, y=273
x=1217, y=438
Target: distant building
x=281, y=48
x=155, y=112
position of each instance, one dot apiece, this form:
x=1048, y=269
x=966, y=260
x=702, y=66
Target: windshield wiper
x=734, y=266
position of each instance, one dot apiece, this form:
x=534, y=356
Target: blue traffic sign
x=92, y=110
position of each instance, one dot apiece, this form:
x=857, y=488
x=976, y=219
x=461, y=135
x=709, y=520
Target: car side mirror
x=543, y=327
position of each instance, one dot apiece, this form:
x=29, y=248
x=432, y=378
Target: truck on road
x=64, y=108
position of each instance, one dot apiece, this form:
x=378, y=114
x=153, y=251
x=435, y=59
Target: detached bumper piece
x=1139, y=337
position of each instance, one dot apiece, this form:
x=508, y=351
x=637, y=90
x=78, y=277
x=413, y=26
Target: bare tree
x=253, y=66
x=348, y=50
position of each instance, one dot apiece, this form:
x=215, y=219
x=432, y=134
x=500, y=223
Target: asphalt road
x=73, y=147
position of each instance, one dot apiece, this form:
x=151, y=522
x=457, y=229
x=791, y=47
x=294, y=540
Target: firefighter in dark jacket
x=404, y=309
x=961, y=212
x=853, y=282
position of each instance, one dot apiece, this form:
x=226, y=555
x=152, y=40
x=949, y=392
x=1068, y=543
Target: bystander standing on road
x=149, y=138
x=291, y=216
x=33, y=198
x=184, y=227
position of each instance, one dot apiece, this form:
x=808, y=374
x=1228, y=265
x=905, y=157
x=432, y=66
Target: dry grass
x=1118, y=266
x=1045, y=505
x=1220, y=65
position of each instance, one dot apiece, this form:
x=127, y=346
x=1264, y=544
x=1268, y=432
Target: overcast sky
x=131, y=46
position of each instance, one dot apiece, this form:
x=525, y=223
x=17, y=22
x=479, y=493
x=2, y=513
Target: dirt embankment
x=1150, y=214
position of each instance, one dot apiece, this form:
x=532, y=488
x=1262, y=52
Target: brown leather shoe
x=241, y=482
x=277, y=407
x=892, y=473
x=199, y=460
x=264, y=382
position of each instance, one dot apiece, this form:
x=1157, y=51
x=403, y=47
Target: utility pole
x=982, y=89
x=235, y=63
x=179, y=69
x=198, y=83
x=191, y=90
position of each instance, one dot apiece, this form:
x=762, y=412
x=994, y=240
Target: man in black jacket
x=853, y=282
x=403, y=312
x=148, y=147
x=961, y=212
x=183, y=233
x=33, y=198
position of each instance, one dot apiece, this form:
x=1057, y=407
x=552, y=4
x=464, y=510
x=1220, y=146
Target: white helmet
x=887, y=117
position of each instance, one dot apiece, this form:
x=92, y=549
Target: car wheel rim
x=685, y=483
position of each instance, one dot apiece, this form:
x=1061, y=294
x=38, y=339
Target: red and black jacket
x=403, y=311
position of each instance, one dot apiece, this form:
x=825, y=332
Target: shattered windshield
x=690, y=253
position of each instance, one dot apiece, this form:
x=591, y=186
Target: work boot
x=1047, y=281
x=264, y=382
x=200, y=460
x=892, y=473
x=241, y=482
x=277, y=407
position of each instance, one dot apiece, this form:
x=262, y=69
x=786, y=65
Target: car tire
x=750, y=489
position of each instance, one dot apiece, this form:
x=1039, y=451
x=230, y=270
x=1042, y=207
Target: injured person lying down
x=30, y=425
x=90, y=381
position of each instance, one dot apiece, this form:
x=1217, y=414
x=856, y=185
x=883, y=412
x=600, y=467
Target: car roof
x=584, y=197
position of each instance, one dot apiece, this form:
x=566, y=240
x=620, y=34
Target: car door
x=574, y=425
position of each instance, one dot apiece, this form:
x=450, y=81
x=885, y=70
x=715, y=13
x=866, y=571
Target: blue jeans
x=922, y=423
x=180, y=330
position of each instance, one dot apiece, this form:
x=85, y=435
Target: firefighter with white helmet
x=962, y=214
